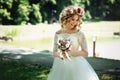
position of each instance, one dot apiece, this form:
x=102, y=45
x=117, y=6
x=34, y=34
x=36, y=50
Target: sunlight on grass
x=40, y=44
x=102, y=39
x=47, y=43
x=101, y=28
x=17, y=70
x=42, y=76
x=43, y=34
x=9, y=68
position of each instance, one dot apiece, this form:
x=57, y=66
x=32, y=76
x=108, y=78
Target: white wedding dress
x=75, y=69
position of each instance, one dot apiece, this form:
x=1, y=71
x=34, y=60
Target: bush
x=13, y=32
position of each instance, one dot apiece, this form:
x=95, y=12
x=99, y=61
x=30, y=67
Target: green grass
x=100, y=28
x=16, y=70
x=40, y=44
x=101, y=39
x=47, y=43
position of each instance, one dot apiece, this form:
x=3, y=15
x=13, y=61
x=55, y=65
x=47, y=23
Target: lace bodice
x=78, y=40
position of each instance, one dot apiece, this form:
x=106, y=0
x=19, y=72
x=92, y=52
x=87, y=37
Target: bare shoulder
x=59, y=31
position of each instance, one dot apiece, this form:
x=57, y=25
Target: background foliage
x=17, y=12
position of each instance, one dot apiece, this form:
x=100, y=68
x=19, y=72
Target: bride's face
x=72, y=22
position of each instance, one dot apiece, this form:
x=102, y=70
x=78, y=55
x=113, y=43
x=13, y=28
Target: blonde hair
x=69, y=12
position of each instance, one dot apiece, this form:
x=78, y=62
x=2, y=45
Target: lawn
x=39, y=44
x=16, y=70
x=41, y=36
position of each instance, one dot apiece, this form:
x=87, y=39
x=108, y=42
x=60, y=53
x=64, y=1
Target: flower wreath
x=71, y=10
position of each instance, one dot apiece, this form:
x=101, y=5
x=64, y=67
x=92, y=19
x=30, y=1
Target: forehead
x=74, y=17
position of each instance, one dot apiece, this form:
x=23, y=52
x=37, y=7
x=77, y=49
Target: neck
x=70, y=30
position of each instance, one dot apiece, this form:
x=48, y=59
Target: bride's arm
x=78, y=53
x=55, y=52
x=55, y=48
x=82, y=42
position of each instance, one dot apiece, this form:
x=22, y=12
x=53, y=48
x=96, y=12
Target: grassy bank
x=41, y=36
x=17, y=70
x=39, y=44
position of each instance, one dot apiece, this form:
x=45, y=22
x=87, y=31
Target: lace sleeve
x=82, y=41
x=55, y=43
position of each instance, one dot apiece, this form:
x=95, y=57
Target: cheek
x=76, y=22
x=68, y=23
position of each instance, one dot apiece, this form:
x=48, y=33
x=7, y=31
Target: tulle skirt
x=75, y=69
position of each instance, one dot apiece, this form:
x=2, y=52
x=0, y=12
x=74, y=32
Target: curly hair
x=70, y=11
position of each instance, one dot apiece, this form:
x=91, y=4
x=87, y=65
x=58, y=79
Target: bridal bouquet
x=63, y=47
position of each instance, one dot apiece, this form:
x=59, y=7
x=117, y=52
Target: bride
x=70, y=48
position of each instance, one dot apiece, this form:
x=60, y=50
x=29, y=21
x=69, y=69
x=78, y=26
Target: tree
x=5, y=15
x=37, y=11
x=35, y=15
x=114, y=12
x=48, y=11
x=22, y=12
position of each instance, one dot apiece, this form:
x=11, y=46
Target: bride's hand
x=70, y=53
x=56, y=54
